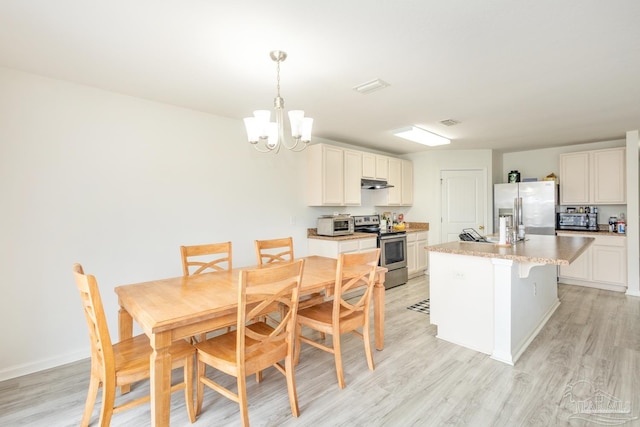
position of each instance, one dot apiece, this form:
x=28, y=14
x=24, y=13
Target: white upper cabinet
x=395, y=179
x=407, y=183
x=609, y=177
x=333, y=176
x=593, y=177
x=401, y=177
x=352, y=177
x=375, y=166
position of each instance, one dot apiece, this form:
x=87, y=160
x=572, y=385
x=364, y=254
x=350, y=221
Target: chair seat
x=220, y=352
x=319, y=317
x=132, y=357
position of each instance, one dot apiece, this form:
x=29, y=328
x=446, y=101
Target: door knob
x=481, y=227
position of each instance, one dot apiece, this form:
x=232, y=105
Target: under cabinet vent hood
x=374, y=184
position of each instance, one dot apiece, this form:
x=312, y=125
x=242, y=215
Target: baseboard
x=596, y=285
x=41, y=365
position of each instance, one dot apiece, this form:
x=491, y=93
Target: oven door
x=393, y=251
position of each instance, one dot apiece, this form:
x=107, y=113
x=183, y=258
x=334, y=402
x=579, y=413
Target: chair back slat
x=199, y=259
x=274, y=250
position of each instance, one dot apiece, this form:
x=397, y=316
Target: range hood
x=374, y=184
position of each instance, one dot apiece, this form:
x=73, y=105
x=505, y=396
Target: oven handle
x=393, y=236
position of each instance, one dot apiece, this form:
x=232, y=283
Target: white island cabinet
x=495, y=299
x=602, y=266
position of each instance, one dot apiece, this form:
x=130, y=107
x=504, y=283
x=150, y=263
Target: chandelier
x=267, y=136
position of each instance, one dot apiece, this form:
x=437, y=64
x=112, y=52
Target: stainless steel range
x=393, y=249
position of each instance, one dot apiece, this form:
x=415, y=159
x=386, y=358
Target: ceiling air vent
x=449, y=122
x=371, y=86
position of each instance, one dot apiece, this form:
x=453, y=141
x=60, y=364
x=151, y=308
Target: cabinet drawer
x=366, y=244
x=610, y=241
x=349, y=246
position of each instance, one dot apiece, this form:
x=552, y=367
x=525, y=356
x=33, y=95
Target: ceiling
x=516, y=75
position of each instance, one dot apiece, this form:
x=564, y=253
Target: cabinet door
x=333, y=175
x=609, y=264
x=406, y=190
x=609, y=176
x=368, y=165
x=574, y=178
x=422, y=254
x=395, y=179
x=412, y=257
x=352, y=177
x=382, y=167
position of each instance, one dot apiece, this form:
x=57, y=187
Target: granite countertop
x=411, y=227
x=558, y=250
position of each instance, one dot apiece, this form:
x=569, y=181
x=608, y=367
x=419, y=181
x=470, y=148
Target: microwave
x=339, y=225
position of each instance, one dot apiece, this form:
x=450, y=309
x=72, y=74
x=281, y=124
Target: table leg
x=125, y=331
x=160, y=379
x=378, y=311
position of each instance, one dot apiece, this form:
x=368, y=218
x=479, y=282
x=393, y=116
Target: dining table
x=181, y=307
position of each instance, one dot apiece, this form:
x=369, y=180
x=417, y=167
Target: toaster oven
x=578, y=221
x=339, y=225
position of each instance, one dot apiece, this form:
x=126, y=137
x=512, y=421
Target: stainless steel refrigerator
x=539, y=201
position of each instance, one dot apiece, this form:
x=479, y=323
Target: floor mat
x=422, y=306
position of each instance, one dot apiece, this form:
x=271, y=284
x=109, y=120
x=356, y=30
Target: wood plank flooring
x=590, y=348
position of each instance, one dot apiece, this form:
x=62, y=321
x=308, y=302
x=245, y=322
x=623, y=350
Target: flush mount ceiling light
x=421, y=136
x=371, y=86
x=267, y=136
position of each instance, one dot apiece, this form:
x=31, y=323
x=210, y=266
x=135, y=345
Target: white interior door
x=464, y=201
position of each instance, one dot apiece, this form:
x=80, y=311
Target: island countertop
x=558, y=250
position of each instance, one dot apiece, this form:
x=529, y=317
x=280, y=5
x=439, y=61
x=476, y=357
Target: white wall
x=118, y=184
x=427, y=190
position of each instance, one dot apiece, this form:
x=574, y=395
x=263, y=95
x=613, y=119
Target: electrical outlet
x=458, y=275
x=292, y=220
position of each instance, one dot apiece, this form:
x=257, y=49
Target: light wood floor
x=592, y=343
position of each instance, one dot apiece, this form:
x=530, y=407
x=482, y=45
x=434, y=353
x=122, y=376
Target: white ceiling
x=516, y=74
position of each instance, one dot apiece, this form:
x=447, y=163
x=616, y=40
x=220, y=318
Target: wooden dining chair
x=198, y=259
x=281, y=250
x=256, y=343
x=343, y=315
x=114, y=365
x=274, y=250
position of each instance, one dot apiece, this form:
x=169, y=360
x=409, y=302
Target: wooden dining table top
x=164, y=304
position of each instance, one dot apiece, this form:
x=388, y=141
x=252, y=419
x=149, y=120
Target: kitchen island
x=495, y=299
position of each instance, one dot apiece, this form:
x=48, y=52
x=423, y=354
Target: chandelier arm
x=262, y=147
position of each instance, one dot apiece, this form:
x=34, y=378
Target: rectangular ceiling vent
x=371, y=86
x=449, y=122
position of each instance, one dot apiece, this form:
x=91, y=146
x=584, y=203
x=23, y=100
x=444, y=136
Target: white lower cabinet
x=331, y=248
x=417, y=257
x=603, y=265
